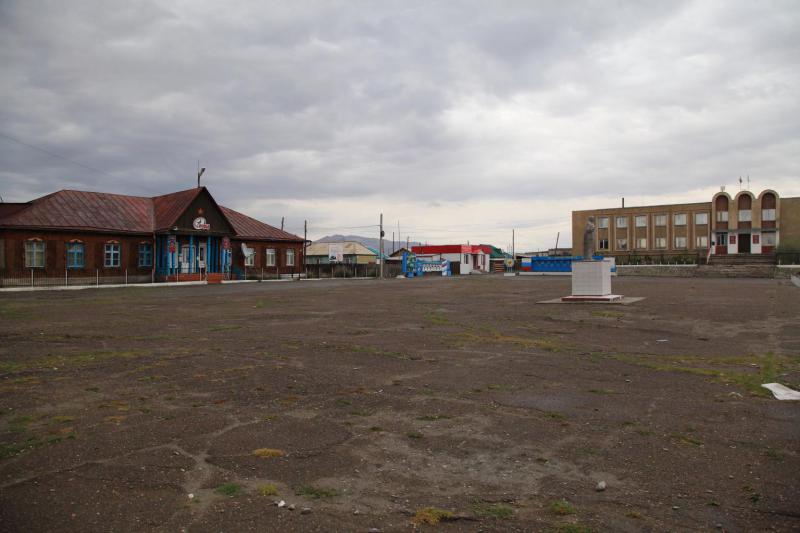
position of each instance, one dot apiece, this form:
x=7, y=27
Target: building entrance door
x=721, y=244
x=744, y=243
x=201, y=255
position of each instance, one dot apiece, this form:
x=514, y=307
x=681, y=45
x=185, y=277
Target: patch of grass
x=228, y=489
x=268, y=490
x=343, y=403
x=604, y=391
x=555, y=415
x=431, y=516
x=687, y=439
x=634, y=514
x=114, y=419
x=769, y=367
x=573, y=528
x=608, y=314
x=229, y=327
x=376, y=429
x=414, y=435
x=562, y=507
x=493, y=510
x=436, y=319
x=269, y=452
x=432, y=418
x=60, y=419
x=361, y=412
x=774, y=454
x=92, y=389
x=315, y=493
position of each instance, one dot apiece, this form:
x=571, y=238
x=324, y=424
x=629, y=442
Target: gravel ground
x=397, y=404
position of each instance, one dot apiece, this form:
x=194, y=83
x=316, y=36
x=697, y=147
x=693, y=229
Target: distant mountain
x=369, y=242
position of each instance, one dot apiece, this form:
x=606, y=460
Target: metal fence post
x=97, y=276
x=66, y=279
x=126, y=276
x=31, y=277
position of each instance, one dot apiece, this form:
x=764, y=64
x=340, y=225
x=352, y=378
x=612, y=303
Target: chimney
x=623, y=202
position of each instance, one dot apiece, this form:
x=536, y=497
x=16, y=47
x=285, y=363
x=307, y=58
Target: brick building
x=743, y=224
x=183, y=233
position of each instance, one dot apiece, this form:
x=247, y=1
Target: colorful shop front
x=191, y=240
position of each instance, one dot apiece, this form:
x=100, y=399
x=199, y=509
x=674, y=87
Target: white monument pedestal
x=591, y=282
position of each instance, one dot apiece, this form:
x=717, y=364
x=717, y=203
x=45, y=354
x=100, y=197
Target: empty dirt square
x=452, y=404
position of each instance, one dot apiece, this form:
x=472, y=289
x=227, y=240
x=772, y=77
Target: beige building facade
x=745, y=223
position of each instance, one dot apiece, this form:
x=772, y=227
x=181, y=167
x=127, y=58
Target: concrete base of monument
x=592, y=298
x=622, y=300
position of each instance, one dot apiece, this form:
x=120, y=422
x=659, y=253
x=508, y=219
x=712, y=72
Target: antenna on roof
x=199, y=173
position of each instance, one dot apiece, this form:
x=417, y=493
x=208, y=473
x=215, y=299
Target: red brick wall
x=55, y=254
x=261, y=255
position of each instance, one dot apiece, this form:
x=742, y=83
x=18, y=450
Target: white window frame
x=701, y=241
x=768, y=215
x=250, y=259
x=768, y=236
x=660, y=220
x=271, y=257
x=600, y=244
x=660, y=243
x=621, y=222
x=722, y=216
x=679, y=245
x=76, y=249
x=700, y=219
x=679, y=219
x=602, y=222
x=641, y=243
x=34, y=253
x=643, y=219
x=290, y=257
x=622, y=244
x=745, y=215
x=112, y=255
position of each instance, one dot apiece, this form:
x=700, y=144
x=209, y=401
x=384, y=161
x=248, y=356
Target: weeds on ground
x=268, y=452
x=562, y=507
x=436, y=319
x=432, y=418
x=431, y=516
x=228, y=489
x=315, y=493
x=493, y=510
x=268, y=490
x=414, y=435
x=573, y=528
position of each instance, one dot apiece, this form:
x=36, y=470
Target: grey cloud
x=447, y=101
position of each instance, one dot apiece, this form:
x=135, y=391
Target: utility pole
x=305, y=245
x=513, y=250
x=380, y=252
x=392, y=242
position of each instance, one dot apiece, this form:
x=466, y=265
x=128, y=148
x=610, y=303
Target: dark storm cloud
x=426, y=101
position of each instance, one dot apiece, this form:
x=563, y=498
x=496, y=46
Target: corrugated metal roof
x=82, y=210
x=249, y=228
x=86, y=210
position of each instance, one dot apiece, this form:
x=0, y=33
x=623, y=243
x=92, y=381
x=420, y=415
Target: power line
x=53, y=154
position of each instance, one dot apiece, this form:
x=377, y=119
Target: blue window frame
x=145, y=254
x=75, y=255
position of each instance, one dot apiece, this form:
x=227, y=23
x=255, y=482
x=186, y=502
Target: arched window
x=721, y=207
x=745, y=208
x=768, y=204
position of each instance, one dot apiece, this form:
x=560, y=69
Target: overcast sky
x=460, y=120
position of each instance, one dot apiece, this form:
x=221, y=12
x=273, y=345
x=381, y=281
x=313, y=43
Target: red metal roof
x=249, y=228
x=168, y=207
x=86, y=210
x=82, y=210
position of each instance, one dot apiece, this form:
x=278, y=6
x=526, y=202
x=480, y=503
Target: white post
x=31, y=277
x=66, y=280
x=97, y=276
x=126, y=276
